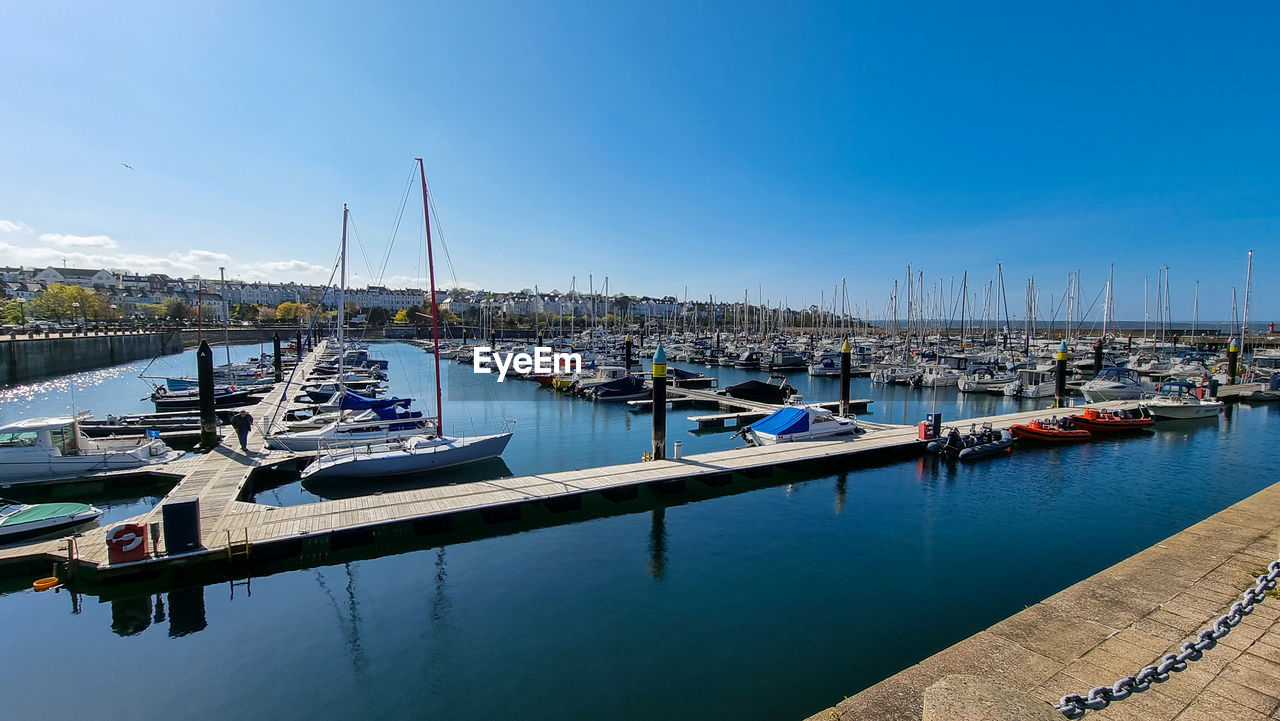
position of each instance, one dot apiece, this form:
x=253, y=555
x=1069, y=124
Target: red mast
x=435, y=315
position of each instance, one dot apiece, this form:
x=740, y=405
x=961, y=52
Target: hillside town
x=87, y=295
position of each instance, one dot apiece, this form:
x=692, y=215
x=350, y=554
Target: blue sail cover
x=783, y=421
x=355, y=401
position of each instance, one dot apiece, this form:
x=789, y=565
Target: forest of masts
x=951, y=307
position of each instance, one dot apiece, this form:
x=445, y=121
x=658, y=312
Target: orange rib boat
x=1096, y=421
x=1043, y=432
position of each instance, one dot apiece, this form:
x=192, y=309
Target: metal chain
x=1074, y=705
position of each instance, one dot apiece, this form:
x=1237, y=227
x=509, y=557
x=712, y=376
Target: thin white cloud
x=13, y=226
x=78, y=241
x=204, y=256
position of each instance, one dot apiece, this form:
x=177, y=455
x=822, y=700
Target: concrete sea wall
x=27, y=359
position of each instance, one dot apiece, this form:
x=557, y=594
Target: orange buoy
x=44, y=584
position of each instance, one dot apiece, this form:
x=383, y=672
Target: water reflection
x=658, y=543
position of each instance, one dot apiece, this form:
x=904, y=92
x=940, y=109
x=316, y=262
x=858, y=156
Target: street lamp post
x=74, y=312
x=22, y=303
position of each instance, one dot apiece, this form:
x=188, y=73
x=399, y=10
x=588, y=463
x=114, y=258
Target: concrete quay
x=1111, y=625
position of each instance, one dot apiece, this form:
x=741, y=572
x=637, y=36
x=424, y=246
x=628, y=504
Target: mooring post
x=845, y=350
x=298, y=347
x=1130, y=349
x=626, y=353
x=204, y=374
x=276, y=360
x=1097, y=358
x=1060, y=377
x=1233, y=357
x=717, y=339
x=659, y=404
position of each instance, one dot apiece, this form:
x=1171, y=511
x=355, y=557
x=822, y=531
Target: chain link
x=1074, y=705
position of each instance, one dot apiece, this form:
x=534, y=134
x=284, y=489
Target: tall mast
x=435, y=314
x=1244, y=325
x=342, y=297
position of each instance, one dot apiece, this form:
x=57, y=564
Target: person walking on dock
x=242, y=422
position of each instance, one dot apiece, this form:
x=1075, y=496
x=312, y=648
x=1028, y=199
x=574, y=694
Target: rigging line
x=368, y=266
x=431, y=199
x=391, y=241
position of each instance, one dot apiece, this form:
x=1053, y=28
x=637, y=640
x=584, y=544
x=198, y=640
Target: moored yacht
x=39, y=448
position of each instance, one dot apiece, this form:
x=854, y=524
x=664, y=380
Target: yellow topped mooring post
x=1233, y=358
x=1060, y=378
x=845, y=371
x=659, y=404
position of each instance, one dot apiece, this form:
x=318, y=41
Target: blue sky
x=713, y=146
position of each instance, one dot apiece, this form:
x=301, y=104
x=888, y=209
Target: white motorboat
x=1113, y=384
x=1177, y=400
x=404, y=456
x=19, y=520
x=41, y=448
x=1032, y=383
x=799, y=423
x=935, y=376
x=984, y=379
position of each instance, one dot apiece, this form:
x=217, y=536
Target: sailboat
x=417, y=453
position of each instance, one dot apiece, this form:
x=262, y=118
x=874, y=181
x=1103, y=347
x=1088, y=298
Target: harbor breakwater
x=24, y=359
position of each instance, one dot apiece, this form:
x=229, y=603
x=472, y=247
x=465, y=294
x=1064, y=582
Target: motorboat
x=976, y=444
x=627, y=388
x=19, y=520
x=1113, y=384
x=828, y=364
x=1056, y=430
x=762, y=392
x=985, y=379
x=799, y=423
x=1033, y=383
x=38, y=448
x=223, y=397
x=1178, y=400
x=405, y=456
x=749, y=360
x=783, y=361
x=1122, y=421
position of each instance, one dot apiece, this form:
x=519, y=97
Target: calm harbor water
x=766, y=604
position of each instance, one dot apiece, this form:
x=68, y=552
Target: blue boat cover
x=355, y=401
x=783, y=421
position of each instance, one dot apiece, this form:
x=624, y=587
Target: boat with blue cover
x=799, y=423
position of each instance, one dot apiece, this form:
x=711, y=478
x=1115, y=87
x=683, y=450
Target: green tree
x=245, y=311
x=59, y=302
x=288, y=311
x=174, y=308
x=378, y=316
x=13, y=312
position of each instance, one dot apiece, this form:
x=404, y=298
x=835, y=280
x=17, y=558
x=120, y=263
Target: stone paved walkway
x=1123, y=618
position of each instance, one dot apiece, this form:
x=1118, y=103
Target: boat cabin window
x=64, y=439
x=8, y=509
x=15, y=440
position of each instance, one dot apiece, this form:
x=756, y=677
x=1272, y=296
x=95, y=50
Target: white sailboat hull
x=409, y=456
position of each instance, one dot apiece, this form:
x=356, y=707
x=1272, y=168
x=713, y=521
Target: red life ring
x=125, y=537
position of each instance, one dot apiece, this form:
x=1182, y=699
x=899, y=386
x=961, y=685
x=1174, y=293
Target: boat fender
x=162, y=391
x=123, y=538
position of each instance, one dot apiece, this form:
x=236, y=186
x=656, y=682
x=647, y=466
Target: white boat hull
x=409, y=456
x=19, y=465
x=1185, y=411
